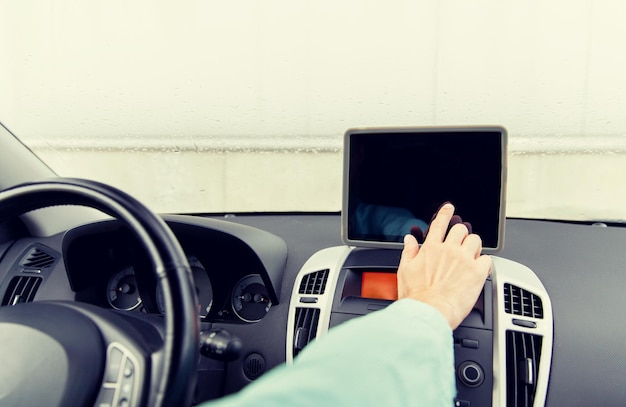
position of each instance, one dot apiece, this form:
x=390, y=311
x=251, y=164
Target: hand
x=420, y=235
x=447, y=272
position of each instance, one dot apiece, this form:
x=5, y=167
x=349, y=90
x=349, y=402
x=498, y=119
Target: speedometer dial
x=250, y=300
x=122, y=292
x=204, y=289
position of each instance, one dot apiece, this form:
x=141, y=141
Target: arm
x=401, y=355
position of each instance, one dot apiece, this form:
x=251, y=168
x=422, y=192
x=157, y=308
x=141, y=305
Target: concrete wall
x=544, y=180
x=232, y=90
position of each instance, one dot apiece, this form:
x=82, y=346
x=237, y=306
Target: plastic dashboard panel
x=581, y=266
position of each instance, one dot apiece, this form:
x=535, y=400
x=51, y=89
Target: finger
x=484, y=264
x=439, y=226
x=438, y=209
x=468, y=226
x=457, y=234
x=411, y=247
x=473, y=244
x=453, y=221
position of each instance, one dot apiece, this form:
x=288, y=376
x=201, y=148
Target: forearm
x=399, y=356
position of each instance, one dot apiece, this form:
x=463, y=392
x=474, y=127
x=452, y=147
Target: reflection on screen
x=398, y=180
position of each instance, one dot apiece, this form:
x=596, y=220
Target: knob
x=471, y=374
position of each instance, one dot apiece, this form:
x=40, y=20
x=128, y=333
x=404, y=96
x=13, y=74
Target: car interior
x=267, y=285
x=109, y=298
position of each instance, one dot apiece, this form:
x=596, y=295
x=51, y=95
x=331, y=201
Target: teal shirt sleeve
x=399, y=356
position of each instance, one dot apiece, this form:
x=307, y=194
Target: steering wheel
x=57, y=353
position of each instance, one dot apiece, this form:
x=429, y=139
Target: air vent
x=314, y=283
x=523, y=351
x=518, y=301
x=21, y=289
x=305, y=328
x=37, y=259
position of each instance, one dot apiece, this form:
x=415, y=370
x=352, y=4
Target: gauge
x=250, y=300
x=122, y=292
x=204, y=289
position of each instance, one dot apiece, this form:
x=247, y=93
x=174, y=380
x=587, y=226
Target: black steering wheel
x=57, y=353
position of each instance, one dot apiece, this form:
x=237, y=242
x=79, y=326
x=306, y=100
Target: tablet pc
x=396, y=178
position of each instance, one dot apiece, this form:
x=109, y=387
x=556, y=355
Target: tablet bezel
x=422, y=130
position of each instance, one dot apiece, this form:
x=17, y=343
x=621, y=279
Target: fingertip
x=486, y=263
x=411, y=246
x=455, y=219
x=439, y=226
x=446, y=209
x=447, y=205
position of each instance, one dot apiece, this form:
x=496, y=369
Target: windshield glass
x=199, y=106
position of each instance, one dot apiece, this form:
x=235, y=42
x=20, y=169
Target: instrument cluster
x=247, y=300
x=107, y=266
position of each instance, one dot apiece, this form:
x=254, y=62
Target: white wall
x=294, y=74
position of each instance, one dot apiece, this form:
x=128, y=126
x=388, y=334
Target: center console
x=502, y=349
x=394, y=181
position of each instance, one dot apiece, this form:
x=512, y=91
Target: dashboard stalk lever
x=219, y=344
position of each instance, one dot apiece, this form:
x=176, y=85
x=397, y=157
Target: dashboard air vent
x=518, y=301
x=523, y=351
x=37, y=259
x=305, y=328
x=314, y=283
x=21, y=289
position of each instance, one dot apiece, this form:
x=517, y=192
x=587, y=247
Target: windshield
x=202, y=106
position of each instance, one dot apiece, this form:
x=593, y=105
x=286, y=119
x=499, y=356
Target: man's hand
x=447, y=272
x=420, y=234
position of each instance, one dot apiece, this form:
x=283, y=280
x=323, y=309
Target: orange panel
x=381, y=286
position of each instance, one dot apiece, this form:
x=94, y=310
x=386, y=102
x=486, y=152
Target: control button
x=123, y=402
x=471, y=374
x=105, y=398
x=129, y=368
x=114, y=363
x=308, y=300
x=469, y=343
x=462, y=403
x=524, y=323
x=126, y=388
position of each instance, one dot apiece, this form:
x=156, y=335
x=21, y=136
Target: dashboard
x=249, y=271
x=508, y=331
x=106, y=267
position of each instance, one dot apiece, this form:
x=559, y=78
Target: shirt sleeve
x=399, y=356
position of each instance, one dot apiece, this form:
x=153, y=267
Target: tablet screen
x=397, y=178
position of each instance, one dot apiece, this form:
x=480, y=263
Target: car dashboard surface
x=555, y=299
